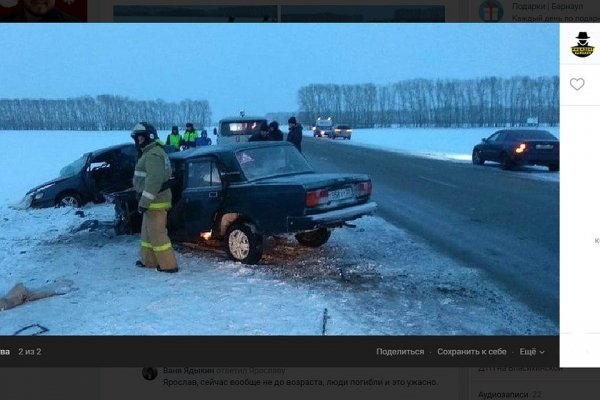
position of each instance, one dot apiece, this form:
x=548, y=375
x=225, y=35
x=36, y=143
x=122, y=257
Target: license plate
x=544, y=146
x=341, y=194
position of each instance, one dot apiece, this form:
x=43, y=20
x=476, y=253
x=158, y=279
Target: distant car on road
x=516, y=147
x=241, y=194
x=343, y=131
x=85, y=179
x=323, y=127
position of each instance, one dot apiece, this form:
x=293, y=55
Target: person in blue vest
x=174, y=138
x=203, y=140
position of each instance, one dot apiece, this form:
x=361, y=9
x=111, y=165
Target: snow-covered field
x=372, y=280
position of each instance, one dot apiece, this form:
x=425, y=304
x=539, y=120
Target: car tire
x=243, y=244
x=476, y=157
x=505, y=162
x=553, y=167
x=69, y=199
x=314, y=238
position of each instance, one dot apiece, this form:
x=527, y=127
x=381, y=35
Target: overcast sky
x=258, y=67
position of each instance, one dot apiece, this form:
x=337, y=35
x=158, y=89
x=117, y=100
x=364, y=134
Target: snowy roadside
x=372, y=280
x=453, y=145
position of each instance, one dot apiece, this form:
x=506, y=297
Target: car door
x=201, y=195
x=492, y=147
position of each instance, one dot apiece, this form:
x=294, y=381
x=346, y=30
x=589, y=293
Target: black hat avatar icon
x=583, y=49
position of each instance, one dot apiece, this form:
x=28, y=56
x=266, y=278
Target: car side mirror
x=484, y=140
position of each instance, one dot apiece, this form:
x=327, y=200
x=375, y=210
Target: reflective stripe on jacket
x=151, y=171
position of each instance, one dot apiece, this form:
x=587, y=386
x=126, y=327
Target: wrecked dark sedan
x=105, y=170
x=241, y=194
x=517, y=147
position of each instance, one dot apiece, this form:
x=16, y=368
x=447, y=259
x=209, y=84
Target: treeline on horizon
x=443, y=103
x=103, y=112
x=425, y=103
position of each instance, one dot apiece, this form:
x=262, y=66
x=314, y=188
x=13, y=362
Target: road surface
x=503, y=222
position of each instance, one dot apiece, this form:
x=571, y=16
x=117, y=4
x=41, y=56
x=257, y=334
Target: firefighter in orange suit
x=152, y=170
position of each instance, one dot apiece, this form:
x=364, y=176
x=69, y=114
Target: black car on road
x=241, y=194
x=516, y=147
x=105, y=170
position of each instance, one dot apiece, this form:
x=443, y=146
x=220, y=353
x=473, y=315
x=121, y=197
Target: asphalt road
x=503, y=222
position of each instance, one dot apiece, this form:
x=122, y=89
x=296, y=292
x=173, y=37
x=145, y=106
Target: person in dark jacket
x=39, y=11
x=295, y=133
x=203, y=140
x=262, y=135
x=174, y=138
x=274, y=131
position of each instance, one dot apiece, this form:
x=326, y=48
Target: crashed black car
x=241, y=194
x=105, y=170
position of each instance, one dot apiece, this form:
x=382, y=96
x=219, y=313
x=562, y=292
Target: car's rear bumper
x=537, y=159
x=330, y=218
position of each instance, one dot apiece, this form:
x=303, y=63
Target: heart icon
x=577, y=83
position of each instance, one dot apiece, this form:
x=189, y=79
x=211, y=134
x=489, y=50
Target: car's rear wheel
x=476, y=157
x=314, y=238
x=243, y=244
x=553, y=167
x=69, y=199
x=505, y=162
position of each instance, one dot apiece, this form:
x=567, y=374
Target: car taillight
x=363, y=188
x=521, y=148
x=316, y=197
